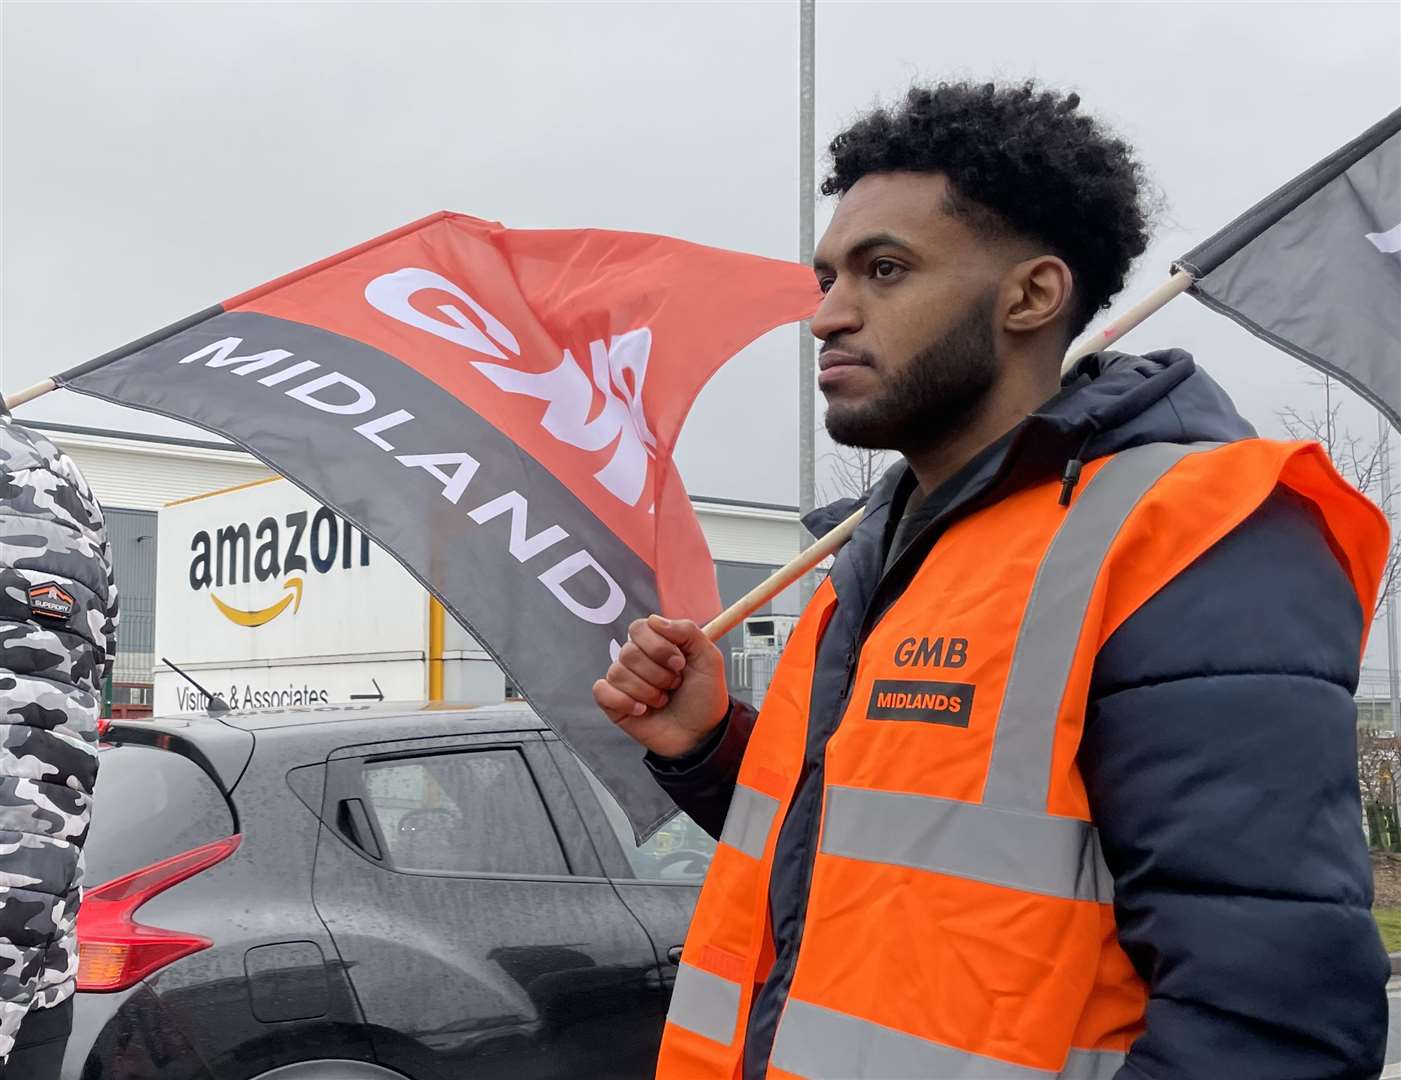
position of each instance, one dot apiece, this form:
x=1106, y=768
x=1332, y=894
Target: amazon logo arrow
x=263, y=615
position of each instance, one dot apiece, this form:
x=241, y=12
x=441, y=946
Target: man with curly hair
x=1056, y=775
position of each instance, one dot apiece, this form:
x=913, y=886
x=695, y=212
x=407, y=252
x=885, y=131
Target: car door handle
x=354, y=822
x=673, y=954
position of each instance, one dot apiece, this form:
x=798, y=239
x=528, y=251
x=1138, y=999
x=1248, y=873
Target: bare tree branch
x=1378, y=764
x=1391, y=575
x=1359, y=461
x=852, y=472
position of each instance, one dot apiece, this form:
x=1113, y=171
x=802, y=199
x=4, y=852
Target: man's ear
x=1036, y=293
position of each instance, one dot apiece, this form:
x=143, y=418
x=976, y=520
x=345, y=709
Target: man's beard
x=933, y=398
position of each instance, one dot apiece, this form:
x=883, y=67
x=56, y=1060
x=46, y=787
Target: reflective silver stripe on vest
x=1019, y=773
x=1092, y=1065
x=749, y=821
x=823, y=1044
x=1038, y=853
x=704, y=1003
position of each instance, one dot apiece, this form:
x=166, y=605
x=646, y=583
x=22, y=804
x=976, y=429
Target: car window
x=470, y=812
x=679, y=851
x=149, y=805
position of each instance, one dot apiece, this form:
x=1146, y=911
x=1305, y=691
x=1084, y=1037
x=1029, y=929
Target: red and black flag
x=497, y=408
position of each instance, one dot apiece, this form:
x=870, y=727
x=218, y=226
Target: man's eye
x=885, y=268
x=825, y=284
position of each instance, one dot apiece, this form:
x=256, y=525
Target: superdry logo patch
x=930, y=702
x=50, y=601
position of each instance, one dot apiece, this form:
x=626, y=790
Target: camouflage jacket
x=58, y=615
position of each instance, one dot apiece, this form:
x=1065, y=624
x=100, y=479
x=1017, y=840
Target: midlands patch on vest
x=918, y=699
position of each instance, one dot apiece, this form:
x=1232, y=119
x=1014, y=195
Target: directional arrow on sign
x=378, y=695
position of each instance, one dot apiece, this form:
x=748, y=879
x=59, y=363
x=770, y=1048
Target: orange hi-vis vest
x=959, y=921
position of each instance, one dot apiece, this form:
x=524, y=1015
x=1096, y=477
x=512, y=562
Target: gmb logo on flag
x=618, y=370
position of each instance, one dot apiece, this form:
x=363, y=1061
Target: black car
x=372, y=891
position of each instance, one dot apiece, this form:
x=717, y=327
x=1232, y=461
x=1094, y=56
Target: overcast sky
x=161, y=157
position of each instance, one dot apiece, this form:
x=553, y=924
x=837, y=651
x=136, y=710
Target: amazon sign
x=271, y=599
x=288, y=549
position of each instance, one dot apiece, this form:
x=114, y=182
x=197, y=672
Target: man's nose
x=837, y=314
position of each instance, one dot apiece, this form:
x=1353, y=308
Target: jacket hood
x=1117, y=400
x=1108, y=402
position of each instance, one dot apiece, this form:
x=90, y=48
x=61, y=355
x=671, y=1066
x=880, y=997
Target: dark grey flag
x=1315, y=268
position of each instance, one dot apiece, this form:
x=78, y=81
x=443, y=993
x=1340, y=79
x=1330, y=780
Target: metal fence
x=751, y=672
x=132, y=534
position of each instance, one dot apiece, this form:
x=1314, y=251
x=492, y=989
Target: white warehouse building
x=375, y=634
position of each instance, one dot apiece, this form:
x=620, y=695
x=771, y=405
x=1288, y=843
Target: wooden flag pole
x=756, y=597
x=39, y=389
x=736, y=613
x=1179, y=283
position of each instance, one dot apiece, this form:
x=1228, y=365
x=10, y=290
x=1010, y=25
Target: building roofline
x=134, y=436
x=745, y=503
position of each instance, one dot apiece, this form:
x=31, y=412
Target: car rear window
x=148, y=805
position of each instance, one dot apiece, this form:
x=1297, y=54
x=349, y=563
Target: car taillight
x=115, y=951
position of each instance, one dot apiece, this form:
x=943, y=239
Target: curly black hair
x=1018, y=159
